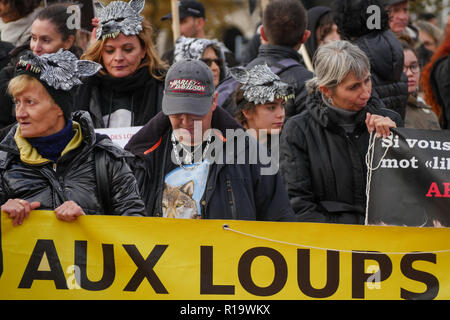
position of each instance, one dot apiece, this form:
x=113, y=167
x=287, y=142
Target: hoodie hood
x=193, y=48
x=314, y=15
x=385, y=54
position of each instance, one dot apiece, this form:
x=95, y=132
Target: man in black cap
x=192, y=18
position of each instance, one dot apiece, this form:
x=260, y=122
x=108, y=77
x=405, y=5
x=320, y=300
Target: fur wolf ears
x=86, y=68
x=136, y=5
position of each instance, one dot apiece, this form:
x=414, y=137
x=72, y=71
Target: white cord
x=369, y=160
x=226, y=227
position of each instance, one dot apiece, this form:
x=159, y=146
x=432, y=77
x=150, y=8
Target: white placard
x=121, y=136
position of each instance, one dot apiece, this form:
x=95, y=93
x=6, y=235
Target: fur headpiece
x=119, y=16
x=260, y=85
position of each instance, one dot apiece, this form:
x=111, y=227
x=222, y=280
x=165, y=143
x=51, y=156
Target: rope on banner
x=369, y=161
x=227, y=228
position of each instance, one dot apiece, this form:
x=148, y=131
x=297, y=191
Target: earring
x=330, y=101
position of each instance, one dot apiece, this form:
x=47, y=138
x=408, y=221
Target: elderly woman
x=52, y=161
x=260, y=100
x=323, y=149
x=209, y=51
x=129, y=90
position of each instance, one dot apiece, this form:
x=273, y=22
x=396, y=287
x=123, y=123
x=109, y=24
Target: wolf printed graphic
x=177, y=202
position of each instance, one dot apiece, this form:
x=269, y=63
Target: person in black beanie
x=48, y=157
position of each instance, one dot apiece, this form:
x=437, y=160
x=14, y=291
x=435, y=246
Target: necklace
x=189, y=158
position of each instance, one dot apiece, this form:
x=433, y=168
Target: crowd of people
x=311, y=111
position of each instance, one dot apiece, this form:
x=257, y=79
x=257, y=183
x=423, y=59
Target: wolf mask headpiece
x=119, y=16
x=261, y=85
x=58, y=72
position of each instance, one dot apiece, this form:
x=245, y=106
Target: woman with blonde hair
x=128, y=90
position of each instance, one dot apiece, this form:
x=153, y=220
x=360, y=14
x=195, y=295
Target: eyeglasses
x=209, y=62
x=413, y=67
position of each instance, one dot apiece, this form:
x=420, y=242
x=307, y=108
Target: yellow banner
x=108, y=257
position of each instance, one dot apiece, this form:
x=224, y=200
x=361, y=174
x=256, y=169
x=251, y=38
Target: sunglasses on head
x=209, y=62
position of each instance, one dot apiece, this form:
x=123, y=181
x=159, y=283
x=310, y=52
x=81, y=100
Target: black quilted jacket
x=72, y=177
x=323, y=166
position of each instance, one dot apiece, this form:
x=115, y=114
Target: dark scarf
x=131, y=83
x=141, y=87
x=50, y=147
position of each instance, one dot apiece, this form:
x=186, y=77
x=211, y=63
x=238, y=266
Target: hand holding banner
x=411, y=186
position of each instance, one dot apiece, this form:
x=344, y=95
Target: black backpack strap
x=103, y=180
x=225, y=89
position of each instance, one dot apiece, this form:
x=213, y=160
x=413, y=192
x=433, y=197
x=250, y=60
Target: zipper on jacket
x=231, y=201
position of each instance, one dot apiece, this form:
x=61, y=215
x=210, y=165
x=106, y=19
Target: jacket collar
x=276, y=50
x=9, y=147
x=321, y=113
x=29, y=154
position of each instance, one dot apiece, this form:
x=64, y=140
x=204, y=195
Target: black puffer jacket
x=233, y=191
x=73, y=177
x=389, y=82
x=440, y=84
x=323, y=166
x=296, y=75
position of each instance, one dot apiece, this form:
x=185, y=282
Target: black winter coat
x=389, y=83
x=440, y=84
x=145, y=91
x=233, y=191
x=296, y=75
x=72, y=177
x=323, y=166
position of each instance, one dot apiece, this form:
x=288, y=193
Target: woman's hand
x=95, y=21
x=380, y=124
x=69, y=211
x=19, y=209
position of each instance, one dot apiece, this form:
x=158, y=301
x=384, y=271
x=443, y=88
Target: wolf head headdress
x=261, y=85
x=119, y=16
x=58, y=72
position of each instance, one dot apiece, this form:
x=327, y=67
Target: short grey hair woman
x=323, y=148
